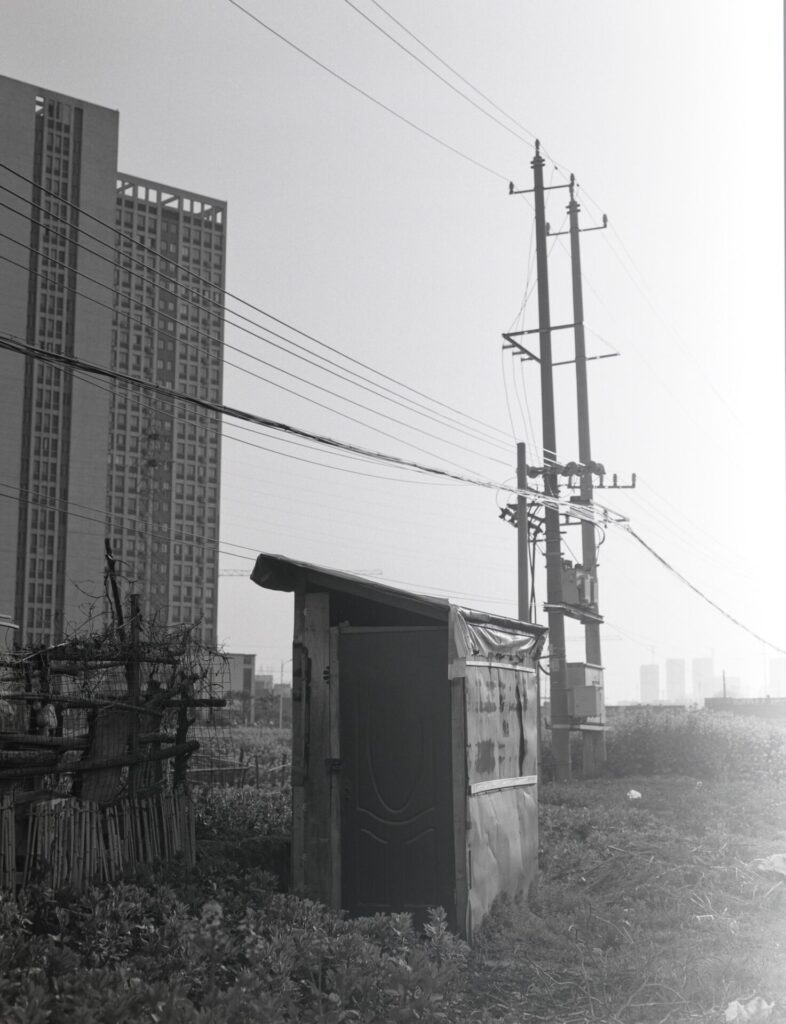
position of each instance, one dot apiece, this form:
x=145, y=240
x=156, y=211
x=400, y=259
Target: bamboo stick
x=32, y=822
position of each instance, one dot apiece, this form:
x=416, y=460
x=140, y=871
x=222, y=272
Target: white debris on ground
x=775, y=864
x=756, y=1009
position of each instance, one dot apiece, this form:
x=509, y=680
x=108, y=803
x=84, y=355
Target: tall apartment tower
x=703, y=672
x=54, y=425
x=649, y=683
x=165, y=455
x=120, y=272
x=675, y=680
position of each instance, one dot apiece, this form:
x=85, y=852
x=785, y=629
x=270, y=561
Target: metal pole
x=593, y=744
x=522, y=532
x=560, y=719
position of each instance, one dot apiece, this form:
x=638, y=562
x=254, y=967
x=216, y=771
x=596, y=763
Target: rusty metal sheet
x=502, y=740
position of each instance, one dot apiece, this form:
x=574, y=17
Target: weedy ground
x=647, y=910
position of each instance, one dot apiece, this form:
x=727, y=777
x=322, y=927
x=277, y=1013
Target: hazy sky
x=351, y=226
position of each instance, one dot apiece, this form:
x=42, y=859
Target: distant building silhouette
x=649, y=683
x=703, y=672
x=675, y=680
x=777, y=680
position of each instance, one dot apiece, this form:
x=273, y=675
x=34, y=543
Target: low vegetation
x=649, y=909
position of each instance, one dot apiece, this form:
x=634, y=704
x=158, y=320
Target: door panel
x=397, y=833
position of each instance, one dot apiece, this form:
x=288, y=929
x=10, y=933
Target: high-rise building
x=675, y=680
x=649, y=683
x=165, y=454
x=53, y=424
x=119, y=272
x=777, y=680
x=703, y=671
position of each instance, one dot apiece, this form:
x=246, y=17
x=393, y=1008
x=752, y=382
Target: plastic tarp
x=479, y=635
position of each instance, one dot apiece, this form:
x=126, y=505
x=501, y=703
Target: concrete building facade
x=675, y=680
x=703, y=672
x=122, y=273
x=61, y=157
x=165, y=460
x=649, y=683
x=777, y=678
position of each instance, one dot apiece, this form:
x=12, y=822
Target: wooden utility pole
x=593, y=742
x=558, y=691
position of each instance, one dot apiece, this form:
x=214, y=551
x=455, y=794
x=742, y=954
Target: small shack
x=414, y=747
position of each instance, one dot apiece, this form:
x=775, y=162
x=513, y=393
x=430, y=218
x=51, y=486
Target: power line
x=173, y=415
x=636, y=283
x=61, y=358
x=396, y=399
x=251, y=373
x=226, y=294
x=450, y=68
x=578, y=511
x=368, y=96
x=436, y=74
x=184, y=343
x=675, y=572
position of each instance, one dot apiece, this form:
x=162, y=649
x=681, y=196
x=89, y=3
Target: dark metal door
x=396, y=831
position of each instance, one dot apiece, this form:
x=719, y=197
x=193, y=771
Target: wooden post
x=299, y=710
x=134, y=689
x=334, y=755
x=318, y=785
x=118, y=604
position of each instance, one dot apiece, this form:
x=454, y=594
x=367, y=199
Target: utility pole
x=593, y=742
x=576, y=691
x=558, y=691
x=522, y=532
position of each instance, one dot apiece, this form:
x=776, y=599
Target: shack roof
x=274, y=572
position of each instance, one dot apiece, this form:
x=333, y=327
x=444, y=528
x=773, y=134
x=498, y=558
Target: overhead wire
x=636, y=283
x=72, y=362
x=275, y=384
x=437, y=75
x=696, y=590
x=518, y=323
x=367, y=95
x=663, y=561
x=584, y=513
x=225, y=294
x=450, y=68
x=183, y=343
x=439, y=418
x=141, y=402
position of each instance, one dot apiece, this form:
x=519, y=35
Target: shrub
x=239, y=812
x=701, y=744
x=200, y=947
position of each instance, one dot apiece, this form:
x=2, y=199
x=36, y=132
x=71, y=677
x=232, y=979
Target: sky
x=408, y=255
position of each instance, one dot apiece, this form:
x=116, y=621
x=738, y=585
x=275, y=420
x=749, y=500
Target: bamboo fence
x=95, y=741
x=75, y=843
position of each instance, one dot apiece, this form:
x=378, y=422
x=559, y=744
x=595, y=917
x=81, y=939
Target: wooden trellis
x=94, y=747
